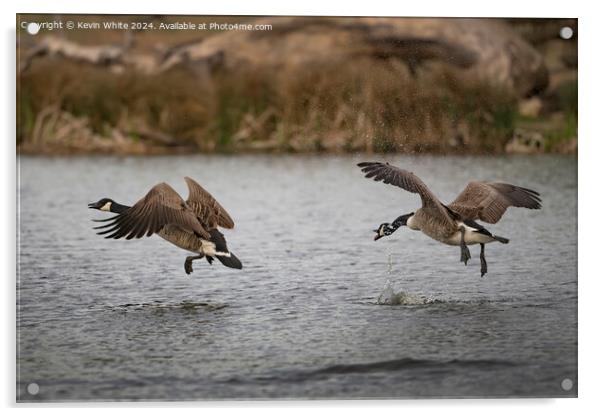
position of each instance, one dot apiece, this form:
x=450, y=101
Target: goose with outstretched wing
x=191, y=225
x=455, y=223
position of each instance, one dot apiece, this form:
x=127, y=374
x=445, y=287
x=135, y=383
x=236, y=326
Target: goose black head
x=383, y=230
x=104, y=204
x=388, y=229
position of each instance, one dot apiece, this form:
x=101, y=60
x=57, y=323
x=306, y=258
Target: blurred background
x=302, y=84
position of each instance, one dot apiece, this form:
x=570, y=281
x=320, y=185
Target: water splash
x=389, y=296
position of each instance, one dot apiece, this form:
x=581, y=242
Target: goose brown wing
x=160, y=206
x=207, y=209
x=406, y=180
x=487, y=201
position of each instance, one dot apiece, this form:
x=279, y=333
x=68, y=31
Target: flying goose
x=190, y=225
x=454, y=224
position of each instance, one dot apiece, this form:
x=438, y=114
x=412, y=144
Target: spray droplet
x=390, y=264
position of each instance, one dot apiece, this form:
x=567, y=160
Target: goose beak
x=93, y=205
x=377, y=236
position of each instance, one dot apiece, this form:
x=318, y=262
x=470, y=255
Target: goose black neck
x=400, y=221
x=118, y=208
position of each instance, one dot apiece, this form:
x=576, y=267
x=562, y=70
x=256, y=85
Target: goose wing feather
x=488, y=201
x=159, y=207
x=408, y=181
x=207, y=209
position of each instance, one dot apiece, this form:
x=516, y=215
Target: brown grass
x=365, y=105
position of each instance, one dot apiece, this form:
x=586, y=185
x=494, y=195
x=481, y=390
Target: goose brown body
x=182, y=238
x=438, y=226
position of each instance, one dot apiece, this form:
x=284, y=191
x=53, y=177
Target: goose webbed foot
x=188, y=263
x=483, y=261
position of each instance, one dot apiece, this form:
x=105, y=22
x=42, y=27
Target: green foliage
x=567, y=98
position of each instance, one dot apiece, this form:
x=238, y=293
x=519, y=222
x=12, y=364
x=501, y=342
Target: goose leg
x=464, y=252
x=188, y=263
x=483, y=261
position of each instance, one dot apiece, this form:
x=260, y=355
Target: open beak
x=93, y=205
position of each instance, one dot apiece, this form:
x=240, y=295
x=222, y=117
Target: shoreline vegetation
x=372, y=92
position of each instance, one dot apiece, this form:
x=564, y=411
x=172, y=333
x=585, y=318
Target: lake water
x=120, y=320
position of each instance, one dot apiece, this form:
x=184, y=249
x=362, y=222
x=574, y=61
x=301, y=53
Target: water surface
x=113, y=320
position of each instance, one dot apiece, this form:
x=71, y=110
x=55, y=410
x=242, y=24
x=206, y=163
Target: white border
x=461, y=8
x=589, y=186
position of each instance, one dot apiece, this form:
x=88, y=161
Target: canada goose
x=191, y=224
x=453, y=224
